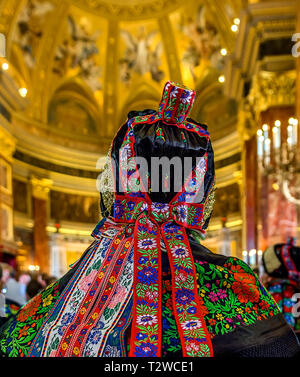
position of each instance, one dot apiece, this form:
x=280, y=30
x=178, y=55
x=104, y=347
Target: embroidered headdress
x=158, y=198
x=166, y=133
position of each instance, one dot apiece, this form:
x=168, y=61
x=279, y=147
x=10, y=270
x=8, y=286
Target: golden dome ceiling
x=86, y=63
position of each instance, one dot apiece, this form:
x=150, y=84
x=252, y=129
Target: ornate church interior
x=71, y=70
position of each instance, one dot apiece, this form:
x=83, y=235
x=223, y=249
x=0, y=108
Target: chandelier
x=278, y=156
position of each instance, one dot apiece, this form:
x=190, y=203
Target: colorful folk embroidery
x=21, y=329
x=186, y=303
x=232, y=295
x=282, y=292
x=146, y=329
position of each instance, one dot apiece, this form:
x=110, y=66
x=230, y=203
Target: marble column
x=40, y=194
x=250, y=186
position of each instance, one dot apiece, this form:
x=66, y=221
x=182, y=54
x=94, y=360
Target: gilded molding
x=128, y=10
x=270, y=89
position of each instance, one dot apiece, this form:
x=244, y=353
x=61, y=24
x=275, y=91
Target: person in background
x=2, y=300
x=33, y=288
x=42, y=279
x=12, y=291
x=282, y=279
x=50, y=280
x=24, y=279
x=1, y=274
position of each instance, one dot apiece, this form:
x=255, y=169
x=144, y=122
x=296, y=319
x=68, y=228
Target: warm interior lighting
x=236, y=21
x=265, y=127
x=23, y=92
x=259, y=133
x=223, y=51
x=277, y=123
x=234, y=28
x=5, y=66
x=32, y=267
x=293, y=121
x=252, y=252
x=221, y=78
x=275, y=186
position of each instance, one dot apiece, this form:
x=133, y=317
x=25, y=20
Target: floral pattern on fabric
x=22, y=328
x=221, y=307
x=187, y=214
x=186, y=303
x=232, y=295
x=64, y=311
x=282, y=291
x=170, y=337
x=176, y=103
x=11, y=308
x=146, y=300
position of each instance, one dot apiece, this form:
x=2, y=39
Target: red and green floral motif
x=146, y=329
x=224, y=308
x=170, y=337
x=176, y=103
x=232, y=295
x=186, y=303
x=186, y=214
x=21, y=329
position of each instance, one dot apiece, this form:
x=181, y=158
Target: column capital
x=40, y=187
x=273, y=89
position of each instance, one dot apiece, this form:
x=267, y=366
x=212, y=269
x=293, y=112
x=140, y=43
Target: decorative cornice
x=130, y=9
x=52, y=167
x=259, y=22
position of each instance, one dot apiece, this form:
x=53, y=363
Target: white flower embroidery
x=179, y=252
x=152, y=295
x=125, y=153
x=159, y=207
x=180, y=278
x=174, y=92
x=191, y=325
x=192, y=347
x=147, y=243
x=147, y=320
x=181, y=213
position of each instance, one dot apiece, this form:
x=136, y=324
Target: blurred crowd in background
x=17, y=288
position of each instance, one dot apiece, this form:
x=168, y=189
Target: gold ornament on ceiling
x=129, y=9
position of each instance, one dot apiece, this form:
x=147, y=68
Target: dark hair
x=33, y=288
